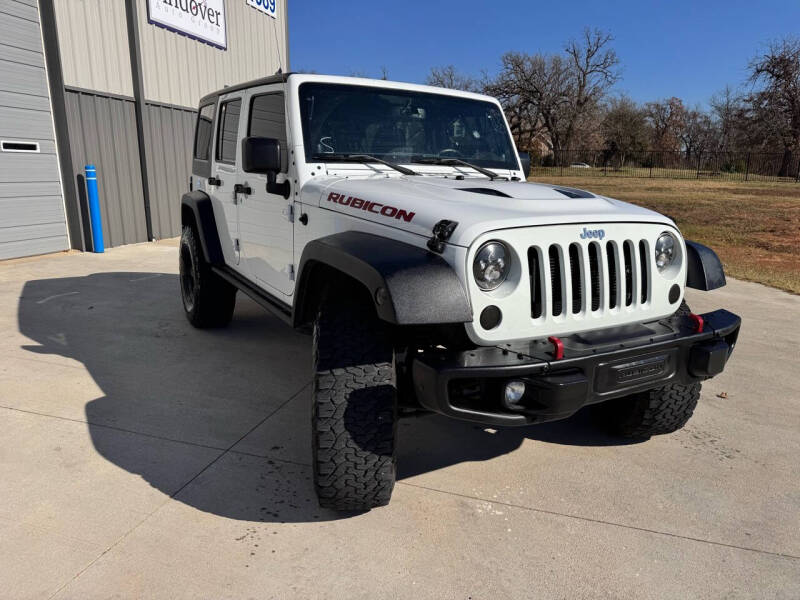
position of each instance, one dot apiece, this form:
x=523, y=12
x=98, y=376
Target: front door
x=224, y=177
x=265, y=219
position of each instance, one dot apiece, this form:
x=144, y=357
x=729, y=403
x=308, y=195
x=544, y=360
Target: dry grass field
x=754, y=227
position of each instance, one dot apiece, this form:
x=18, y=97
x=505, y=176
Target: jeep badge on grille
x=593, y=233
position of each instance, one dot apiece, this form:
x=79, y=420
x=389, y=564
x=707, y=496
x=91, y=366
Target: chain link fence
x=724, y=166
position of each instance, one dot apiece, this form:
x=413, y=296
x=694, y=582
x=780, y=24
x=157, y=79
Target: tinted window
x=267, y=119
x=228, y=132
x=202, y=137
x=402, y=125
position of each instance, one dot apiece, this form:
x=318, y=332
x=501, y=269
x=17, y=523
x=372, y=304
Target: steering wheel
x=453, y=152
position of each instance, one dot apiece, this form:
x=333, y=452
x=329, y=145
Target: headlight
x=492, y=265
x=665, y=250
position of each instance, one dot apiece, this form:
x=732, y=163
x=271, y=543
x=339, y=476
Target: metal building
x=114, y=83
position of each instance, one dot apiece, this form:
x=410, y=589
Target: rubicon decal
x=385, y=210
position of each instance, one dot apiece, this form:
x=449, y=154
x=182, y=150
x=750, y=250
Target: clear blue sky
x=689, y=49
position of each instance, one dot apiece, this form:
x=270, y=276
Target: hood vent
x=574, y=193
x=487, y=191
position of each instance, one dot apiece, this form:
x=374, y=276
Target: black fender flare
x=409, y=285
x=703, y=268
x=198, y=205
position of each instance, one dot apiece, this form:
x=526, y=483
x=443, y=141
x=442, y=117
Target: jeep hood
x=416, y=204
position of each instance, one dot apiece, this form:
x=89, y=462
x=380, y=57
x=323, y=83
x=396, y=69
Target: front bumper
x=595, y=367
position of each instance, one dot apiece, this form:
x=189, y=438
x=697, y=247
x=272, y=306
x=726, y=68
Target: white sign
x=268, y=7
x=200, y=19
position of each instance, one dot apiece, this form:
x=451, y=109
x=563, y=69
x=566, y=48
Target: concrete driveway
x=142, y=458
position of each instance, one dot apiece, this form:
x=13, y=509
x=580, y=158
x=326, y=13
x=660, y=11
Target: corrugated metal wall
x=32, y=217
x=103, y=133
x=169, y=143
x=179, y=70
x=93, y=38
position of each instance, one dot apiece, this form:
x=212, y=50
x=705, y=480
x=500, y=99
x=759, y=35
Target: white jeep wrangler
x=395, y=220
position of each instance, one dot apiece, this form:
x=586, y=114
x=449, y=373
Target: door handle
x=213, y=180
x=242, y=188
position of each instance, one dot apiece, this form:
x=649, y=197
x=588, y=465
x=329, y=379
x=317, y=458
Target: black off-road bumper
x=595, y=367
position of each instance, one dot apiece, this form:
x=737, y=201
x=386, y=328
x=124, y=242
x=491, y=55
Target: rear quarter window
x=228, y=133
x=203, y=132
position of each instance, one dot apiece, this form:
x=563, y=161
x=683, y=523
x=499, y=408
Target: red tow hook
x=698, y=322
x=558, y=347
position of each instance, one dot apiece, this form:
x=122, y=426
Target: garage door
x=31, y=204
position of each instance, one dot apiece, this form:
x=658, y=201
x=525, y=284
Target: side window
x=228, y=131
x=202, y=134
x=268, y=119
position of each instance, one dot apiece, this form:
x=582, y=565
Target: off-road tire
x=208, y=300
x=654, y=412
x=354, y=413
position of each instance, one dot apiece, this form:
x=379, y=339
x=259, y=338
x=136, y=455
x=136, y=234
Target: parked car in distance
x=579, y=165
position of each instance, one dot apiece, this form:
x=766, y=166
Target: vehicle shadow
x=175, y=398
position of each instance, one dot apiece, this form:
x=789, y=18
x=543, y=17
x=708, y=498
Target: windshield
x=402, y=126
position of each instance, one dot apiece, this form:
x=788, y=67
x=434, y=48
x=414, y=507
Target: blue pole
x=94, y=209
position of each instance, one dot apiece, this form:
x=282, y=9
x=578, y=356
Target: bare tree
x=775, y=99
x=667, y=119
x=625, y=128
x=557, y=91
x=523, y=112
x=594, y=67
x=729, y=112
x=698, y=134
x=449, y=77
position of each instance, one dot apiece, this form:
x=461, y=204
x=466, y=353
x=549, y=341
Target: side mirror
x=525, y=159
x=263, y=155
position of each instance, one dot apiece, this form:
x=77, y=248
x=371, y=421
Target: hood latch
x=441, y=233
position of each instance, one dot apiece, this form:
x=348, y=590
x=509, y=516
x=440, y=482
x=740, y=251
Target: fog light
x=513, y=393
x=491, y=317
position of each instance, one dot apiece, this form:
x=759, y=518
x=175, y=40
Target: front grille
x=587, y=277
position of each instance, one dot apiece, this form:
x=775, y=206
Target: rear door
x=265, y=220
x=224, y=177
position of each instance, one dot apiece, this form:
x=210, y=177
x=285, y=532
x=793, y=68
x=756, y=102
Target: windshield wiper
x=455, y=161
x=363, y=158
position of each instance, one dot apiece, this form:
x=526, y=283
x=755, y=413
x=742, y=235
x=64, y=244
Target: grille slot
x=627, y=251
x=594, y=270
x=555, y=280
x=535, y=274
x=575, y=277
x=611, y=256
x=644, y=270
